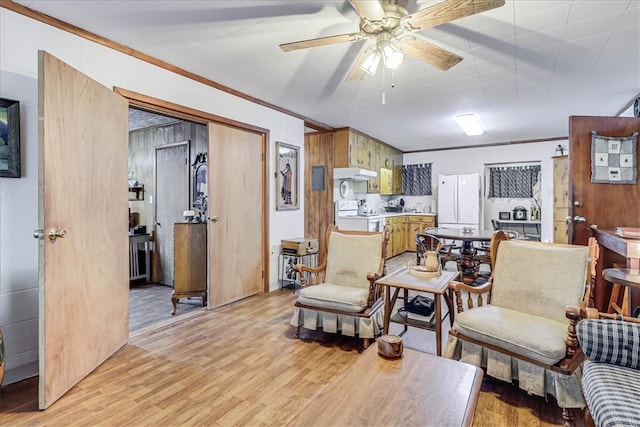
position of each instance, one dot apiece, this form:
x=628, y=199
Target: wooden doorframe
x=157, y=105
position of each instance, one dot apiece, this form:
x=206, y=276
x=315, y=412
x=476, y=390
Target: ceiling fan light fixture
x=370, y=64
x=470, y=124
x=392, y=57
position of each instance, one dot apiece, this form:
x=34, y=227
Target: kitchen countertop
x=392, y=214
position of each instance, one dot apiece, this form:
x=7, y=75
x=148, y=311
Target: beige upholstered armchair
x=341, y=294
x=526, y=332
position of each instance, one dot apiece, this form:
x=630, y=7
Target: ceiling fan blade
x=357, y=73
x=428, y=52
x=368, y=9
x=323, y=41
x=447, y=11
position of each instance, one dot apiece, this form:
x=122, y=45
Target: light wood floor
x=237, y=365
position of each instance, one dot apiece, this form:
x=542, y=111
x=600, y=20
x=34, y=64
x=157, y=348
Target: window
x=513, y=181
x=416, y=180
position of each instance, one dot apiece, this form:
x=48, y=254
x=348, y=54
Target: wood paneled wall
x=318, y=148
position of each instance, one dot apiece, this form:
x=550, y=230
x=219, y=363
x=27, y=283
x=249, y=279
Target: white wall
x=20, y=39
x=473, y=160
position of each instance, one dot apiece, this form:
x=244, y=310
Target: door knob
x=579, y=219
x=54, y=234
x=214, y=218
x=38, y=234
x=157, y=223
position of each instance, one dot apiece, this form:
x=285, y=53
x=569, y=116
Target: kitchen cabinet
x=190, y=262
x=416, y=224
x=560, y=198
x=396, y=243
x=352, y=148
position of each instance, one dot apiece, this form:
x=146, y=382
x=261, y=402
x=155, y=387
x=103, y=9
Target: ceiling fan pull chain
x=384, y=95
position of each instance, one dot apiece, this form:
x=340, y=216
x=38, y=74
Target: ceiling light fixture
x=370, y=64
x=470, y=124
x=390, y=55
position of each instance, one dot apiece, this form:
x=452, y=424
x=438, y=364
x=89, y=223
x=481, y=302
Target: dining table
x=467, y=236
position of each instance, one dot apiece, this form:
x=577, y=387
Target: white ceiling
x=527, y=66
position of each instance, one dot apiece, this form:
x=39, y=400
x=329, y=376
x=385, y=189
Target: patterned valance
x=416, y=180
x=514, y=182
x=613, y=160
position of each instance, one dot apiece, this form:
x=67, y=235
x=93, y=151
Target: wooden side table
x=438, y=286
x=190, y=262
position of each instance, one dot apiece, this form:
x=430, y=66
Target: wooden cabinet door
x=560, y=199
x=373, y=148
x=359, y=153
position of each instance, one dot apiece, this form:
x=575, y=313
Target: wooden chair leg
x=588, y=419
x=297, y=335
x=567, y=416
x=366, y=343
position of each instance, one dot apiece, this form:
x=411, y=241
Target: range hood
x=357, y=174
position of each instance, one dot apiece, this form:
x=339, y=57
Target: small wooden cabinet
x=190, y=262
x=560, y=199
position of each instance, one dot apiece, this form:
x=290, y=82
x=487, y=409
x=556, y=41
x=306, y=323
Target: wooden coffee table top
x=417, y=389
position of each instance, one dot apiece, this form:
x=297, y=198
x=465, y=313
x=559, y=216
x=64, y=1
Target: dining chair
x=487, y=254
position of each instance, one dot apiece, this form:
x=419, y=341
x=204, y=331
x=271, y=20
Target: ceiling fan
x=389, y=23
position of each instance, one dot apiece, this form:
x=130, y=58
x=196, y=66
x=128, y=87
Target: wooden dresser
x=189, y=262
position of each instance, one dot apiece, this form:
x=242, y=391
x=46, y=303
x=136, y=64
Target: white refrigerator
x=459, y=201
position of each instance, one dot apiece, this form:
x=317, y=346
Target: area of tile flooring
x=150, y=304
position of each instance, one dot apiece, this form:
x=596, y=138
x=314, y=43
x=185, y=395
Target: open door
x=236, y=214
x=83, y=258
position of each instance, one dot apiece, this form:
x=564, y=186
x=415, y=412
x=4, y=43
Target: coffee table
x=417, y=389
x=438, y=286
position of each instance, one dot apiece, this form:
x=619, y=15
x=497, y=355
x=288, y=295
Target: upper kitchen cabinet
x=353, y=148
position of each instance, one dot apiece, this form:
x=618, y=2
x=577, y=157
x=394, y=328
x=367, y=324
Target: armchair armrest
x=313, y=275
x=574, y=356
x=458, y=288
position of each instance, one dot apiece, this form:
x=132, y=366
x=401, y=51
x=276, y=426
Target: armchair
x=526, y=331
x=611, y=373
x=341, y=294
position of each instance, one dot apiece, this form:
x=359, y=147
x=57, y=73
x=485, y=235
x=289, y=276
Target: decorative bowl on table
x=423, y=271
x=390, y=346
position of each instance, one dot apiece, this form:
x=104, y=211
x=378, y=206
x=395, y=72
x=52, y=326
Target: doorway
x=161, y=149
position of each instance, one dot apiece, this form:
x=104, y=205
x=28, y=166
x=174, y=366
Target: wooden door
x=236, y=214
x=172, y=199
x=83, y=276
x=605, y=205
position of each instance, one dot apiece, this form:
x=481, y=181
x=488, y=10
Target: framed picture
x=505, y=215
x=288, y=165
x=9, y=138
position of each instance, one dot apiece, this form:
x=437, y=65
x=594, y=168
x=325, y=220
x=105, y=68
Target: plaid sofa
x=611, y=375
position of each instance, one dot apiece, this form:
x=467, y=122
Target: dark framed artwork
x=287, y=190
x=9, y=138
